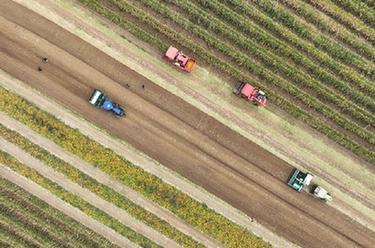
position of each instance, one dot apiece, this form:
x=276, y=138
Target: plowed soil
x=170, y=130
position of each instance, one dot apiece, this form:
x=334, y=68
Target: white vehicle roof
x=308, y=179
x=95, y=97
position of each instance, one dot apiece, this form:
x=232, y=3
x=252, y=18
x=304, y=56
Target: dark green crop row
x=273, y=40
x=340, y=33
x=25, y=224
x=101, y=190
x=228, y=69
x=360, y=9
x=280, y=65
x=75, y=233
x=320, y=42
x=344, y=18
x=74, y=200
x=264, y=74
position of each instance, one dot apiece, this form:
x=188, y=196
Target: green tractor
x=299, y=179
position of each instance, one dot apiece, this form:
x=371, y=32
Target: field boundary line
x=64, y=207
x=87, y=195
x=107, y=180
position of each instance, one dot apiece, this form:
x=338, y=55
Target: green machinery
x=299, y=179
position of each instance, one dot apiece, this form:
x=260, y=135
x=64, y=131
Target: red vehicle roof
x=247, y=90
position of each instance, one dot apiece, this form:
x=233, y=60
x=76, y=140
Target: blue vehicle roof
x=107, y=105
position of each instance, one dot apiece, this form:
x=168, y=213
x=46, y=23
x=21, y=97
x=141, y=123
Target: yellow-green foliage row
x=67, y=229
x=74, y=200
x=103, y=191
x=193, y=212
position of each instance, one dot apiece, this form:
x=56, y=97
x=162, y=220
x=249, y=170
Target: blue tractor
x=100, y=100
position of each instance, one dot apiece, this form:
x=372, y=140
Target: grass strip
x=55, y=221
x=74, y=200
x=193, y=212
x=101, y=190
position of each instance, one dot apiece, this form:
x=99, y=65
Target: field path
x=87, y=195
x=105, y=179
x=64, y=207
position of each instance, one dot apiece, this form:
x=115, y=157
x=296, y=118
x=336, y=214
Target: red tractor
x=179, y=59
x=251, y=93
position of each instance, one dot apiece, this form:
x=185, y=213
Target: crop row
x=266, y=75
x=13, y=238
x=329, y=26
x=29, y=226
x=283, y=42
x=101, y=190
x=360, y=9
x=74, y=200
x=308, y=36
x=228, y=69
x=278, y=65
x=193, y=212
x=51, y=218
x=344, y=18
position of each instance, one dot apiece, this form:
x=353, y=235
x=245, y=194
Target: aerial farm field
x=190, y=164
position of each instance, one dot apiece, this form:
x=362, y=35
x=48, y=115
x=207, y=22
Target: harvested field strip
x=359, y=9
x=354, y=47
x=345, y=18
x=15, y=238
x=249, y=31
x=278, y=64
x=267, y=75
x=25, y=224
x=101, y=190
x=195, y=213
x=75, y=233
x=301, y=43
x=74, y=200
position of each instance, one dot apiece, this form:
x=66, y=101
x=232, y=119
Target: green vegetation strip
x=74, y=200
x=285, y=16
x=193, y=212
x=358, y=8
x=344, y=18
x=302, y=42
x=101, y=190
x=50, y=218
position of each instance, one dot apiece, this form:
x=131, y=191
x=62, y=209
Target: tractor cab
x=299, y=179
x=251, y=93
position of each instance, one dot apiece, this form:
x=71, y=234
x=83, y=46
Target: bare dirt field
x=170, y=130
